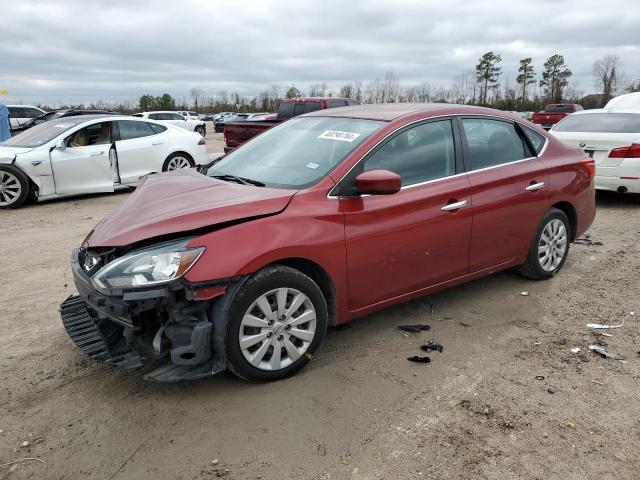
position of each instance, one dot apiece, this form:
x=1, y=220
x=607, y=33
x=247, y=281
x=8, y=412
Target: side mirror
x=61, y=145
x=378, y=182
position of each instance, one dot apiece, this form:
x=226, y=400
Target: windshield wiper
x=240, y=180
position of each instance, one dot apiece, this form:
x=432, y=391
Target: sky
x=78, y=51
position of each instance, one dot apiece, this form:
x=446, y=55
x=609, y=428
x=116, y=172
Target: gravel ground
x=481, y=409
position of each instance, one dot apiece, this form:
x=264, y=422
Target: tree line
x=483, y=85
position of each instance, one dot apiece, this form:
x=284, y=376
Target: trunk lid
x=598, y=145
x=180, y=202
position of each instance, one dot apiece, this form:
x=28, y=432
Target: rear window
x=286, y=110
x=536, y=140
x=337, y=103
x=193, y=114
x=559, y=109
x=600, y=122
x=311, y=106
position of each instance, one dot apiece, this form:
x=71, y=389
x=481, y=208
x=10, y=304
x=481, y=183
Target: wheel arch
x=319, y=275
x=570, y=211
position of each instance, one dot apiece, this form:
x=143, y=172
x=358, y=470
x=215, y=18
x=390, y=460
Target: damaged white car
x=91, y=154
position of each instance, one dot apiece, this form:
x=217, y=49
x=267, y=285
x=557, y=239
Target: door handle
x=454, y=206
x=535, y=186
x=97, y=154
x=157, y=143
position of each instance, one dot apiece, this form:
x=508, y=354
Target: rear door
x=84, y=165
x=509, y=185
x=418, y=237
x=141, y=148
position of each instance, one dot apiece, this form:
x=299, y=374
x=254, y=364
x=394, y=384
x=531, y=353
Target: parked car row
x=174, y=118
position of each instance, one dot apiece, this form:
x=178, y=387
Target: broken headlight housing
x=156, y=265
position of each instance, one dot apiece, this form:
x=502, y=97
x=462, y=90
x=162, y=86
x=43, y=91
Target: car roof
x=391, y=111
x=605, y=111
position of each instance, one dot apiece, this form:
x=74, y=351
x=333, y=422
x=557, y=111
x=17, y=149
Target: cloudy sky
x=73, y=51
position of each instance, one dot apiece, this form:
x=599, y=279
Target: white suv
x=190, y=115
x=21, y=114
x=174, y=118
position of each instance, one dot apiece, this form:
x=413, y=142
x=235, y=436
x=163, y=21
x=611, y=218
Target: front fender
x=7, y=159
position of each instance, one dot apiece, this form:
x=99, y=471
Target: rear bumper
x=625, y=176
x=617, y=184
x=128, y=328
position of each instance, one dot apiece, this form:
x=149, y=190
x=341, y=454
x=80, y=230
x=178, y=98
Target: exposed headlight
x=149, y=267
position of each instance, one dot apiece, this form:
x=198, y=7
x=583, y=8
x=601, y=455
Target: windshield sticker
x=338, y=135
x=312, y=166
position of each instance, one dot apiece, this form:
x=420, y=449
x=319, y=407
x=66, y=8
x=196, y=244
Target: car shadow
x=605, y=198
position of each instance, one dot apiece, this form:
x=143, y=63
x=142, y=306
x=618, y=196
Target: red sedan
x=322, y=219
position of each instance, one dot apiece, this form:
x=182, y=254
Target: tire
x=539, y=266
x=201, y=130
x=177, y=161
x=15, y=188
x=294, y=352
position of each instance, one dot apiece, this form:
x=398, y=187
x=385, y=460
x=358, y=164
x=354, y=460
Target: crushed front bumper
x=167, y=325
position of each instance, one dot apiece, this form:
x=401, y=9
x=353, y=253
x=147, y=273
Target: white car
x=89, y=154
x=612, y=139
x=174, y=118
x=21, y=114
x=189, y=115
x=628, y=101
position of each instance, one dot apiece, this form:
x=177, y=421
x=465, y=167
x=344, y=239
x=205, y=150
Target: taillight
x=632, y=151
x=202, y=141
x=590, y=167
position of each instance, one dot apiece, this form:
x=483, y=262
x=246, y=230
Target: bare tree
x=606, y=75
x=197, y=94
x=318, y=89
x=347, y=90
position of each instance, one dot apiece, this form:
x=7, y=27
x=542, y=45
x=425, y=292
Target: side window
x=310, y=107
x=156, y=116
x=174, y=116
x=286, y=110
x=16, y=112
x=422, y=153
x=337, y=103
x=157, y=128
x=352, y=102
x=537, y=140
x=96, y=134
x=32, y=113
x=492, y=142
x=130, y=129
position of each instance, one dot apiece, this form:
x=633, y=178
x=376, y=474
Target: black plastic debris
x=432, y=346
x=417, y=328
x=419, y=359
x=587, y=241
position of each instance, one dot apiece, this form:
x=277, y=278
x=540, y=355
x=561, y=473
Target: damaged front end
x=134, y=307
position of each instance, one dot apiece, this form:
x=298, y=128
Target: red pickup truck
x=553, y=113
x=236, y=133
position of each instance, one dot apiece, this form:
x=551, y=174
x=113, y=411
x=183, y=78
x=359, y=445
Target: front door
x=509, y=185
x=83, y=166
x=140, y=148
x=418, y=237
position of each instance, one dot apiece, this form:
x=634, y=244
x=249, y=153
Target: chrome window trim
x=544, y=147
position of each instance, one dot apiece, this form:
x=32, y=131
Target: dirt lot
x=360, y=410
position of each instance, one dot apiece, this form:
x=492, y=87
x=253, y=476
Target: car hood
x=9, y=153
x=181, y=202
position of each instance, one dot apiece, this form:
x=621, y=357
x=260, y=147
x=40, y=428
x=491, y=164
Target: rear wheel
x=176, y=161
x=275, y=322
x=14, y=187
x=550, y=247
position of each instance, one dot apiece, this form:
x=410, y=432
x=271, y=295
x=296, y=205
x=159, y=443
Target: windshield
x=600, y=122
x=297, y=153
x=43, y=133
x=559, y=109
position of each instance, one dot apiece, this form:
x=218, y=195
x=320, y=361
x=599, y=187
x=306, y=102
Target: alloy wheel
x=10, y=188
x=552, y=246
x=176, y=163
x=277, y=329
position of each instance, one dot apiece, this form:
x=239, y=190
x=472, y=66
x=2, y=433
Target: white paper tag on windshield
x=338, y=135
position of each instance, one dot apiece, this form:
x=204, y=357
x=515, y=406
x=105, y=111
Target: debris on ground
x=539, y=377
x=600, y=326
x=419, y=359
x=551, y=389
x=604, y=353
x=571, y=424
x=575, y=349
x=417, y=328
x=524, y=294
x=586, y=240
x=432, y=346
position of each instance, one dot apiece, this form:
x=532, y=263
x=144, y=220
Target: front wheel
x=14, y=187
x=275, y=322
x=550, y=247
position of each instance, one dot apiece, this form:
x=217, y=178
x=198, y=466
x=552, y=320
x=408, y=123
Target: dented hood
x=183, y=201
